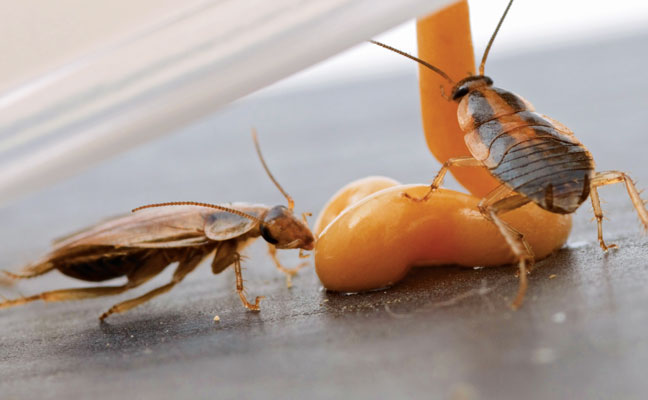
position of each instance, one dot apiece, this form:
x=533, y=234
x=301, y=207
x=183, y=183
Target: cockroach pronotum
x=140, y=245
x=536, y=159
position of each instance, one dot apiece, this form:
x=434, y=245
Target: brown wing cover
x=533, y=155
x=123, y=245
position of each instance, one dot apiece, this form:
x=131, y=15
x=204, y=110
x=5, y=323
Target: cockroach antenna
x=197, y=204
x=255, y=138
x=492, y=39
x=418, y=60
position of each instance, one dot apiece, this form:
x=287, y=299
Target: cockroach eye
x=459, y=93
x=464, y=86
x=265, y=233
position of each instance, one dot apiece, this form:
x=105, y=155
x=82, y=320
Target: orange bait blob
x=348, y=195
x=374, y=242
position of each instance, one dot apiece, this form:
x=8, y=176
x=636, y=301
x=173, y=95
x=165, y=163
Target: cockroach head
x=466, y=85
x=283, y=229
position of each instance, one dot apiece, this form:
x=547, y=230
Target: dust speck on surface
x=543, y=355
x=559, y=317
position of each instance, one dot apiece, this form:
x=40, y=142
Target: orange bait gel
x=444, y=40
x=374, y=242
x=348, y=195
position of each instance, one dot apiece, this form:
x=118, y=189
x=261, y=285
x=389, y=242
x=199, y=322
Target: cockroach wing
x=151, y=226
x=560, y=127
x=221, y=225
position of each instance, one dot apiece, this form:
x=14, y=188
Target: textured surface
x=442, y=333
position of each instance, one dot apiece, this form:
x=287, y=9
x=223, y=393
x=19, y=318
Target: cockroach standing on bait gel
x=536, y=158
x=140, y=245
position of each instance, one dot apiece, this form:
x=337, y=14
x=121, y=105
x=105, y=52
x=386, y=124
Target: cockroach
x=140, y=245
x=536, y=159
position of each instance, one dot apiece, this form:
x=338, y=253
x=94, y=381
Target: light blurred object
x=163, y=65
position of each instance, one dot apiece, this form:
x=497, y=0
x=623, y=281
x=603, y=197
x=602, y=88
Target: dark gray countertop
x=444, y=332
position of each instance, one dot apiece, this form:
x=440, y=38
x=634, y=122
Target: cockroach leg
x=497, y=194
x=239, y=286
x=70, y=294
x=148, y=270
x=306, y=215
x=301, y=251
x=302, y=254
x=444, y=94
x=609, y=178
x=598, y=214
x=224, y=257
x=466, y=161
x=290, y=272
x=185, y=267
x=514, y=238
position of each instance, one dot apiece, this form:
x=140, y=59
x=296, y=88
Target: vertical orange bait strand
x=444, y=40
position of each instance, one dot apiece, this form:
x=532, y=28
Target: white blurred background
x=529, y=26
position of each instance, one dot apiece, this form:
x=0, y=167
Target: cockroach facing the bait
x=535, y=158
x=140, y=245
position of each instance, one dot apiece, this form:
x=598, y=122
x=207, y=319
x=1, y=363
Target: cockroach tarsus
x=140, y=245
x=536, y=159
